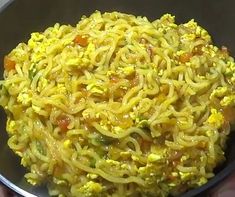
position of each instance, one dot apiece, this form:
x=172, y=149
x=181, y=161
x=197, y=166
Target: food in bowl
x=119, y=106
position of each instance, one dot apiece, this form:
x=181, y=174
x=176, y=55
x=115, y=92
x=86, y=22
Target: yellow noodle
x=118, y=105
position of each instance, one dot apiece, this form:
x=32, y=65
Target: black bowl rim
x=224, y=173
x=214, y=181
x=5, y=4
x=14, y=188
x=211, y=183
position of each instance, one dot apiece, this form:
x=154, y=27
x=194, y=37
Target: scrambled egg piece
x=59, y=181
x=230, y=68
x=184, y=158
x=191, y=24
x=43, y=45
x=210, y=50
x=174, y=174
x=82, y=59
x=228, y=100
x=89, y=113
x=128, y=70
x=117, y=129
x=154, y=157
x=76, y=60
x=67, y=143
x=166, y=22
x=133, y=115
x=89, y=50
x=216, y=118
x=61, y=89
x=36, y=108
x=219, y=92
x=142, y=170
x=95, y=88
x=32, y=181
x=198, y=31
x=110, y=72
x=161, y=71
x=124, y=166
x=157, y=154
x=134, y=158
x=92, y=176
x=19, y=53
x=230, y=71
x=223, y=92
x=24, y=161
x=188, y=37
x=24, y=97
x=11, y=126
x=33, y=177
x=91, y=188
x=35, y=44
x=19, y=153
x=178, y=53
x=202, y=181
x=113, y=162
x=185, y=175
x=35, y=37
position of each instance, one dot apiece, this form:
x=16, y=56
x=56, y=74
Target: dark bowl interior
x=22, y=17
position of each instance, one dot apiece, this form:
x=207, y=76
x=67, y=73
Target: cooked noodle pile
x=119, y=106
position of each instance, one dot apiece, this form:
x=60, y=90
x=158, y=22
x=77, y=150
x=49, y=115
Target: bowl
x=19, y=18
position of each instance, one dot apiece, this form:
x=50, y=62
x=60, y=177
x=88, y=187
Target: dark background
x=22, y=17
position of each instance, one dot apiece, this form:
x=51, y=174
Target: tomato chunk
x=63, y=122
x=9, y=64
x=81, y=40
x=198, y=50
x=185, y=57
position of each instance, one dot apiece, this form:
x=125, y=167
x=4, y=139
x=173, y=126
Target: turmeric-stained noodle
x=119, y=106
